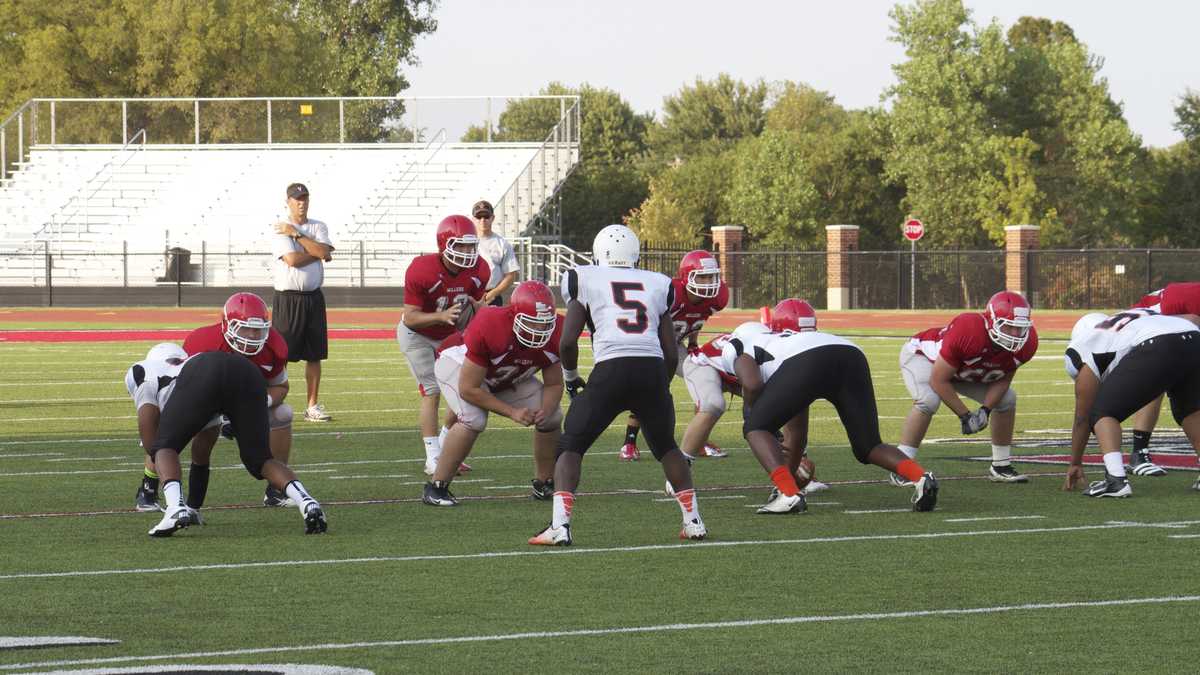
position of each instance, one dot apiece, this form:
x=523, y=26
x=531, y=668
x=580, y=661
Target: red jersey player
x=492, y=368
x=699, y=293
x=1174, y=300
x=441, y=292
x=976, y=355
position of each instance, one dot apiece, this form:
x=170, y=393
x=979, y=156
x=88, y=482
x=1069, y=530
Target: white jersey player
x=1119, y=364
x=627, y=312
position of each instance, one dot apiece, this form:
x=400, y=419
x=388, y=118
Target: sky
x=648, y=49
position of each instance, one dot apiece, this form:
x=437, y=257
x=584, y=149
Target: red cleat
x=629, y=453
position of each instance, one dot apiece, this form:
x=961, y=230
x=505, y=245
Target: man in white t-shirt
x=301, y=247
x=497, y=251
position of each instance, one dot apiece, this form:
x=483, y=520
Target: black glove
x=974, y=422
x=574, y=387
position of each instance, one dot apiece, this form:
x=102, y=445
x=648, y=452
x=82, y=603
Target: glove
x=974, y=422
x=574, y=387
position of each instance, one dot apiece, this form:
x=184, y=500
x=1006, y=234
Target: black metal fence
x=924, y=279
x=1105, y=278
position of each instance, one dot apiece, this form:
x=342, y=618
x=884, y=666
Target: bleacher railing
x=394, y=188
x=530, y=197
x=253, y=120
x=67, y=212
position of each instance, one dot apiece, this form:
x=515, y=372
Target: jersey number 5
x=641, y=321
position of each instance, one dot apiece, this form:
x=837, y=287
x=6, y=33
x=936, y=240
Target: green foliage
x=1187, y=115
x=771, y=192
x=599, y=194
x=708, y=118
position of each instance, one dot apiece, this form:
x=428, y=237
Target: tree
x=1187, y=115
x=151, y=48
x=708, y=117
x=685, y=199
x=771, y=193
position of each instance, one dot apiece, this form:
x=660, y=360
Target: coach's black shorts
x=300, y=317
x=1166, y=363
x=836, y=373
x=218, y=382
x=636, y=384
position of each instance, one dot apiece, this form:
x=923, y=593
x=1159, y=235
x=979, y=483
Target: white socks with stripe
x=1114, y=464
x=1001, y=455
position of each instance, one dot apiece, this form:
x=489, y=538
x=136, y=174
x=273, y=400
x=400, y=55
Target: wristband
x=570, y=374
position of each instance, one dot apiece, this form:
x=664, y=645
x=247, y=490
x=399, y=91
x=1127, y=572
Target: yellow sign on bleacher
x=305, y=108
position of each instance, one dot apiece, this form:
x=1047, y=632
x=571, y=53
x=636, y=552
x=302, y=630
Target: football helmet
x=1008, y=320
x=616, y=246
x=700, y=273
x=167, y=352
x=244, y=323
x=455, y=232
x=793, y=315
x=533, y=306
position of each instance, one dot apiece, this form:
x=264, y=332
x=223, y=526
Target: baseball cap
x=482, y=207
x=297, y=190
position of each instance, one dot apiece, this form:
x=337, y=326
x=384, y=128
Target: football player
x=1173, y=300
x=492, y=368
x=628, y=312
x=189, y=396
x=441, y=292
x=976, y=356
x=1119, y=363
x=781, y=374
x=141, y=381
x=699, y=293
x=245, y=328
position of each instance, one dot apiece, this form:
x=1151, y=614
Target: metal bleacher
x=141, y=213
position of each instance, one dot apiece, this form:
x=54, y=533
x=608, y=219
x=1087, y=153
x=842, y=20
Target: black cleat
x=543, y=490
x=274, y=497
x=172, y=522
x=1006, y=474
x=437, y=493
x=1111, y=486
x=1140, y=464
x=147, y=498
x=925, y=494
x=314, y=519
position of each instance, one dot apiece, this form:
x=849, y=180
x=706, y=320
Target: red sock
x=785, y=481
x=910, y=470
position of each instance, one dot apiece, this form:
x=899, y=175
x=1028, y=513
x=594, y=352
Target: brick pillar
x=1018, y=241
x=727, y=239
x=839, y=241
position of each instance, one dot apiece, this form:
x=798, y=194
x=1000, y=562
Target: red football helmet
x=793, y=314
x=533, y=305
x=245, y=324
x=1008, y=320
x=454, y=235
x=700, y=273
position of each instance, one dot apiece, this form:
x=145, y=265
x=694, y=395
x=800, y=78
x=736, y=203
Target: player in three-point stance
x=781, y=374
x=492, y=368
x=190, y=395
x=628, y=313
x=1119, y=364
x=976, y=356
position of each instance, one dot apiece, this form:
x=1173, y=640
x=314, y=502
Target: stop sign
x=913, y=229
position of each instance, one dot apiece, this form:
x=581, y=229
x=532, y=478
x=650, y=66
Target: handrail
x=440, y=139
x=124, y=155
x=18, y=111
x=139, y=99
x=572, y=114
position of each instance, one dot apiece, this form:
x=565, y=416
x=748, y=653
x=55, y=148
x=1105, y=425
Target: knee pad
x=1009, y=402
x=476, y=423
x=712, y=405
x=553, y=422
x=280, y=416
x=929, y=403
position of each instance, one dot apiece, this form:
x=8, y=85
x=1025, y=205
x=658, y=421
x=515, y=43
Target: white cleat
x=814, y=486
x=176, y=520
x=783, y=504
x=694, y=530
x=552, y=536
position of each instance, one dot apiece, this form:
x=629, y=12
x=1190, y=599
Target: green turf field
x=1000, y=578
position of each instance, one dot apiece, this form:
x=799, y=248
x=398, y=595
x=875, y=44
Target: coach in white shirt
x=497, y=251
x=301, y=248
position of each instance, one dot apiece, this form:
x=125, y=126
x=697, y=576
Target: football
x=468, y=312
x=805, y=472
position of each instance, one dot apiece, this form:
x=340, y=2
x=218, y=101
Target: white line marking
x=381, y=475
x=33, y=454
x=626, y=630
x=975, y=520
x=706, y=498
x=586, y=551
x=52, y=641
x=1183, y=536
x=860, y=512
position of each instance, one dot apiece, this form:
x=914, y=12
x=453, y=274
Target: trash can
x=179, y=265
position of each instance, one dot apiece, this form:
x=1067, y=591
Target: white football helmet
x=1086, y=324
x=167, y=352
x=616, y=246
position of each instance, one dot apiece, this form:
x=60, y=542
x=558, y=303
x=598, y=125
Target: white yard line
x=857, y=512
x=976, y=520
x=627, y=630
x=592, y=551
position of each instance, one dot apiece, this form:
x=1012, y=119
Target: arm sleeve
x=414, y=290
x=282, y=245
x=321, y=234
x=570, y=287
x=509, y=263
x=955, y=343
x=483, y=273
x=477, y=350
x=722, y=299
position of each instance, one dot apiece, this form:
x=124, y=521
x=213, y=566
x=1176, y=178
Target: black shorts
x=637, y=384
x=300, y=317
x=212, y=383
x=837, y=373
x=1167, y=363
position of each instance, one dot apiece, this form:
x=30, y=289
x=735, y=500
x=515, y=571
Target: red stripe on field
x=93, y=335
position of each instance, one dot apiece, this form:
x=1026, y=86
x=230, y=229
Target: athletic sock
x=432, y=448
x=1001, y=455
x=563, y=503
x=295, y=490
x=1114, y=464
x=631, y=433
x=150, y=473
x=197, y=485
x=785, y=481
x=1141, y=440
x=442, y=437
x=172, y=494
x=910, y=470
x=687, y=504
x=908, y=450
